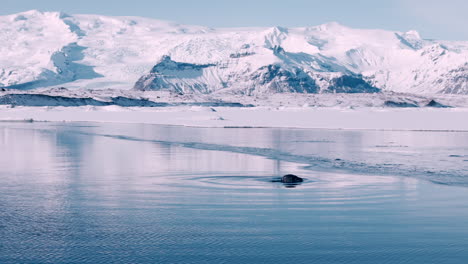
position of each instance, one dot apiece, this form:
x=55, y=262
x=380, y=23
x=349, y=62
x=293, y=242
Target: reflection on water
x=105, y=193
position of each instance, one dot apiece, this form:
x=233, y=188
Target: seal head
x=291, y=178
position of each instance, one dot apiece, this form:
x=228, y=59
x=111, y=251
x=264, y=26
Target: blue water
x=121, y=193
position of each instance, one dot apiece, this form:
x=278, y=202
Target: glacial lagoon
x=129, y=193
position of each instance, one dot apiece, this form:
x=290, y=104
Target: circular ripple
x=240, y=182
x=322, y=188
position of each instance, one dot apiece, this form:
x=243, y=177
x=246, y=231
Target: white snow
x=292, y=117
x=41, y=49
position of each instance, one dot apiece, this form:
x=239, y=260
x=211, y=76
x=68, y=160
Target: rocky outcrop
x=181, y=77
x=455, y=81
x=275, y=79
x=175, y=76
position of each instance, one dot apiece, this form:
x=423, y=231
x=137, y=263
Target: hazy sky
x=439, y=19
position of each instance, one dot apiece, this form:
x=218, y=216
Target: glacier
x=52, y=49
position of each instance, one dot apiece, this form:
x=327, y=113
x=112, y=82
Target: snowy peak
x=333, y=27
x=411, y=39
x=29, y=41
x=275, y=36
x=41, y=49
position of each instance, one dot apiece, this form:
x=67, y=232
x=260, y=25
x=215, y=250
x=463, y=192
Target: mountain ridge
x=44, y=49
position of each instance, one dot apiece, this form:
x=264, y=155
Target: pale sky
x=434, y=19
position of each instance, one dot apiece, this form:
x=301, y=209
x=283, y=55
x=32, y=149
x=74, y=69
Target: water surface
x=118, y=193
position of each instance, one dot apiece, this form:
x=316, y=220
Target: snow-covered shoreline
x=389, y=111
x=434, y=119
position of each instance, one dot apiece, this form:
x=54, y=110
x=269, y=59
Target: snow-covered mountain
x=41, y=49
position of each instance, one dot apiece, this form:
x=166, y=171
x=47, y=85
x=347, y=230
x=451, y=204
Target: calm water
x=116, y=193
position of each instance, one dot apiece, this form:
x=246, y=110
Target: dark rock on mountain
x=279, y=80
x=351, y=84
x=400, y=104
x=131, y=102
x=47, y=100
x=167, y=73
x=436, y=104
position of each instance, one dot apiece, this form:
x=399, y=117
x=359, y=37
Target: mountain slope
x=90, y=51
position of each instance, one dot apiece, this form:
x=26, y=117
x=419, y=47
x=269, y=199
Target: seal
x=291, y=178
